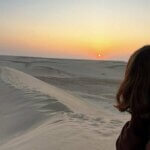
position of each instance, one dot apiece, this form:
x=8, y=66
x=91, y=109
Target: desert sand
x=59, y=104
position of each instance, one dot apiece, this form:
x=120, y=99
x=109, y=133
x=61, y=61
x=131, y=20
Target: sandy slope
x=71, y=108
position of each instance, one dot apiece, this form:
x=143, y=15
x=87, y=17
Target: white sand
x=71, y=108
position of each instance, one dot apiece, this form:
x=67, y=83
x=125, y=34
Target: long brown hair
x=134, y=92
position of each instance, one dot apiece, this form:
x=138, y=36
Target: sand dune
x=59, y=104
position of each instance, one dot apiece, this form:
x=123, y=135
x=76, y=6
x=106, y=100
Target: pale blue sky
x=81, y=18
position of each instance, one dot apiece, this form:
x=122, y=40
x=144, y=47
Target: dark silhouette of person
x=133, y=96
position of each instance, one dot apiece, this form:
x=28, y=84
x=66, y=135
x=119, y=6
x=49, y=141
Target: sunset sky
x=83, y=29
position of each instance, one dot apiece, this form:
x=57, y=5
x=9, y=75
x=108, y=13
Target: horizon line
x=63, y=58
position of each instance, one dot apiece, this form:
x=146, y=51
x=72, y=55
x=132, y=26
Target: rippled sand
x=58, y=104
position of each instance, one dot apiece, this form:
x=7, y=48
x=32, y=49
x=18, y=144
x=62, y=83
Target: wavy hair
x=134, y=92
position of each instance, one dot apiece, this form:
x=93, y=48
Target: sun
x=99, y=55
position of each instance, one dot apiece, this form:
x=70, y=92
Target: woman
x=134, y=97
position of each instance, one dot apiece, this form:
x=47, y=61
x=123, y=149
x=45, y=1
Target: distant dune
x=59, y=104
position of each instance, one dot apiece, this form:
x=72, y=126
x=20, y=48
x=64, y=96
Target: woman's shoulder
x=134, y=135
x=148, y=145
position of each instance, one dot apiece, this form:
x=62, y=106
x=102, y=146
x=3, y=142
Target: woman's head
x=134, y=92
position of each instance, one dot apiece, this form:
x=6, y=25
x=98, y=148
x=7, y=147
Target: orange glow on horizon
x=71, y=43
x=82, y=29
